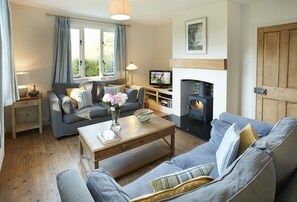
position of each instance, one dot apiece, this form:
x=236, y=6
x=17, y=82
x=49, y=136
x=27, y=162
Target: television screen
x=161, y=78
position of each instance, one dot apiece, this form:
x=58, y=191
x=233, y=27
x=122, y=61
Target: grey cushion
x=95, y=111
x=202, y=154
x=67, y=104
x=72, y=188
x=98, y=90
x=261, y=128
x=281, y=145
x=129, y=106
x=60, y=88
x=218, y=131
x=103, y=187
x=289, y=193
x=249, y=178
x=132, y=94
x=141, y=186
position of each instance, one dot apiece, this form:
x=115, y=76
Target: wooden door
x=277, y=72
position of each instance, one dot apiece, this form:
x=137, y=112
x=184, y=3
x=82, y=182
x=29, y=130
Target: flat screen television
x=160, y=78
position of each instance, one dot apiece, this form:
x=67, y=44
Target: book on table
x=108, y=136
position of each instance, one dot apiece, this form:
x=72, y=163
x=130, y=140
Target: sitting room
x=141, y=100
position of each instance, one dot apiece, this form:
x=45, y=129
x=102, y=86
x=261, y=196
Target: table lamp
x=23, y=79
x=131, y=67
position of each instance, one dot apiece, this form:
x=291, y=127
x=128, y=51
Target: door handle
x=260, y=91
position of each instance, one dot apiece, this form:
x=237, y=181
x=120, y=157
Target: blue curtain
x=120, y=51
x=62, y=68
x=8, y=85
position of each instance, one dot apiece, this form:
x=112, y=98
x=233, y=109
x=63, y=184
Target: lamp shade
x=23, y=78
x=119, y=9
x=131, y=67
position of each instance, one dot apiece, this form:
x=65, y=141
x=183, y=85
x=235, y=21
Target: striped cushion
x=114, y=90
x=171, y=180
x=84, y=99
x=228, y=148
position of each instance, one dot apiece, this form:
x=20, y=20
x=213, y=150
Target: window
x=92, y=51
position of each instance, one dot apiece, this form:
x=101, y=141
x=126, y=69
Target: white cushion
x=228, y=148
x=84, y=99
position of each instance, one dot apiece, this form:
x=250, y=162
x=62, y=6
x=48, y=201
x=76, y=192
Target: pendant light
x=119, y=9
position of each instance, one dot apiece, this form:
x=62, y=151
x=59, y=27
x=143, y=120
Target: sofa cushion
x=202, y=154
x=122, y=87
x=261, y=128
x=73, y=93
x=89, y=85
x=60, y=88
x=129, y=106
x=132, y=94
x=228, y=148
x=113, y=90
x=141, y=186
x=179, y=189
x=67, y=104
x=171, y=180
x=103, y=187
x=84, y=99
x=218, y=131
x=281, y=145
x=247, y=137
x=95, y=111
x=250, y=178
x=99, y=90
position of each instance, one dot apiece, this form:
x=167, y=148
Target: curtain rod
x=90, y=20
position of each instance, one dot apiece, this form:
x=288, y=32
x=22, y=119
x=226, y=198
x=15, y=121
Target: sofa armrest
x=55, y=112
x=72, y=188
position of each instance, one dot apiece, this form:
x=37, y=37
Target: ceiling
x=152, y=12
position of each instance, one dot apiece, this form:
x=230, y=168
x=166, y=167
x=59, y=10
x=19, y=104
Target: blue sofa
x=63, y=124
x=266, y=171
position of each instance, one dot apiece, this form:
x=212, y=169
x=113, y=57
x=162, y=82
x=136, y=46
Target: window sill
x=94, y=78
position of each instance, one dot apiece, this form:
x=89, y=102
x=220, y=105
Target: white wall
x=149, y=47
x=216, y=49
x=234, y=59
x=216, y=31
x=259, y=13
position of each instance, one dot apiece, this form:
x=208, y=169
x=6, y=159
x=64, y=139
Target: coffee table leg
x=172, y=144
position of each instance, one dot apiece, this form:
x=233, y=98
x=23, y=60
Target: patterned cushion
x=171, y=180
x=247, y=137
x=179, y=189
x=122, y=87
x=84, y=99
x=73, y=94
x=228, y=148
x=114, y=90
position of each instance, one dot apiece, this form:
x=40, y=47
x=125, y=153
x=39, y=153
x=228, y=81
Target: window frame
x=103, y=28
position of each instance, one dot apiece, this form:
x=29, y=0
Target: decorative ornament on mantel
x=119, y=9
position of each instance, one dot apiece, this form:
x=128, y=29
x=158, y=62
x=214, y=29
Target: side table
x=23, y=103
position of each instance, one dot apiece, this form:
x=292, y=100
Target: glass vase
x=115, y=126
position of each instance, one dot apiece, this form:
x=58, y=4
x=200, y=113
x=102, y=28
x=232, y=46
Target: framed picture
x=196, y=36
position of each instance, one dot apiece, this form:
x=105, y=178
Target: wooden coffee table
x=140, y=144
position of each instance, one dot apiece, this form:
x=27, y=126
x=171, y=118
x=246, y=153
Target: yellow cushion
x=179, y=189
x=73, y=94
x=247, y=137
x=122, y=89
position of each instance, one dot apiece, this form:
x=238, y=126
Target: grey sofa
x=266, y=171
x=63, y=124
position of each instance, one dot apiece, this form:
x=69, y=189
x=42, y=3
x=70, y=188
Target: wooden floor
x=33, y=160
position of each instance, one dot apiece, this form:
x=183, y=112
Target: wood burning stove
x=201, y=105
